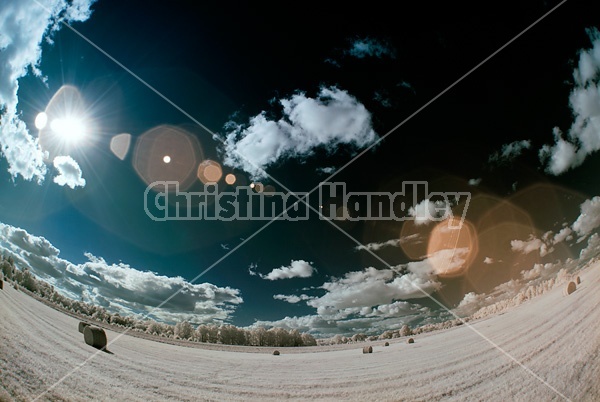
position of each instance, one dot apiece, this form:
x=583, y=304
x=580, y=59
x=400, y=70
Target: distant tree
x=358, y=337
x=154, y=328
x=184, y=330
x=202, y=333
x=308, y=340
x=7, y=269
x=405, y=330
x=386, y=335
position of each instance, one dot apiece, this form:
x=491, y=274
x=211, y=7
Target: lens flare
x=41, y=120
x=452, y=247
x=230, y=179
x=119, y=145
x=209, y=171
x=167, y=153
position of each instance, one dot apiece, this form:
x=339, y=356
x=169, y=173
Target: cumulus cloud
x=119, y=287
x=69, y=172
x=331, y=119
x=370, y=287
x=371, y=47
x=429, y=211
x=583, y=137
x=563, y=235
x=369, y=300
x=509, y=152
x=589, y=218
x=296, y=269
x=23, y=26
x=529, y=245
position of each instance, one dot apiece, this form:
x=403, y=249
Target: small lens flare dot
x=230, y=179
x=166, y=159
x=41, y=120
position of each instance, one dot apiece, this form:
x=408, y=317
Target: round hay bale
x=82, y=325
x=571, y=287
x=368, y=349
x=578, y=280
x=386, y=344
x=276, y=353
x=94, y=336
x=410, y=340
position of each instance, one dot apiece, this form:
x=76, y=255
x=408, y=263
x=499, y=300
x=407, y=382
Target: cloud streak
x=509, y=152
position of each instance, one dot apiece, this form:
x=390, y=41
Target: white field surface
x=555, y=336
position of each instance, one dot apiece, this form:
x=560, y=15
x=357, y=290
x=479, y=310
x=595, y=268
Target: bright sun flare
x=69, y=129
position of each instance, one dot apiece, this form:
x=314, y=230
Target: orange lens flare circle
x=452, y=247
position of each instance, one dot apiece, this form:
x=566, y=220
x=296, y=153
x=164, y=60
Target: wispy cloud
x=292, y=299
x=23, y=26
x=474, y=182
x=508, y=152
x=375, y=246
x=331, y=119
x=371, y=47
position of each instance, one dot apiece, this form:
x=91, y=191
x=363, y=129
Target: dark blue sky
x=222, y=63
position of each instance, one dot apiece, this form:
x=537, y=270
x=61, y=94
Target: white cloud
x=589, y=218
x=583, y=136
x=370, y=301
x=427, y=211
x=119, y=287
x=375, y=246
x=475, y=182
x=564, y=234
x=371, y=47
x=23, y=26
x=373, y=287
x=69, y=172
x=326, y=170
x=509, y=152
x=331, y=119
x=292, y=299
x=530, y=245
x=296, y=269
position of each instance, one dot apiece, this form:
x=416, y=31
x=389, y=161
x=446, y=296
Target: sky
x=493, y=109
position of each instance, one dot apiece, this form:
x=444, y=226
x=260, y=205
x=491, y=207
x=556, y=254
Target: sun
x=69, y=129
x=65, y=125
